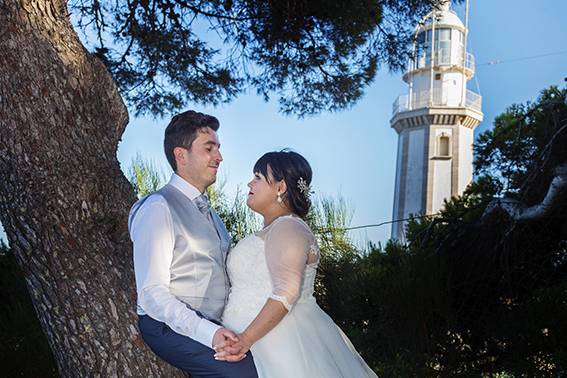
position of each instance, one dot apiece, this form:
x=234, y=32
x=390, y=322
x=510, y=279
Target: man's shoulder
x=151, y=201
x=155, y=197
x=147, y=209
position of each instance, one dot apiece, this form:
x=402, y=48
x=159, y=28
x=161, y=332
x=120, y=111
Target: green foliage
x=237, y=217
x=329, y=218
x=517, y=146
x=145, y=176
x=23, y=339
x=315, y=54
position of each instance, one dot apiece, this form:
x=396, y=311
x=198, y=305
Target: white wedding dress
x=280, y=262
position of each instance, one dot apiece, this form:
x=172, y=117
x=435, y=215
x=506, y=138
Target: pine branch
x=520, y=212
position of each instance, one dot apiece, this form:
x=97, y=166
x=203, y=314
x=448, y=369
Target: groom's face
x=199, y=165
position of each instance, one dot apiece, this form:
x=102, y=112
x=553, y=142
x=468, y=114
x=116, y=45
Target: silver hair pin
x=304, y=188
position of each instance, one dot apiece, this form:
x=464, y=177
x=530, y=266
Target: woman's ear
x=282, y=187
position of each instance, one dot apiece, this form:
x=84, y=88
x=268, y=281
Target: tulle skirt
x=305, y=344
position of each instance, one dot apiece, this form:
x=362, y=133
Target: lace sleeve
x=288, y=244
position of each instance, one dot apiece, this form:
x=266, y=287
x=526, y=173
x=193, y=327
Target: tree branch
x=520, y=212
x=198, y=10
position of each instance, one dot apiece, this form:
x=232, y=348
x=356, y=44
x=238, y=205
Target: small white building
x=435, y=119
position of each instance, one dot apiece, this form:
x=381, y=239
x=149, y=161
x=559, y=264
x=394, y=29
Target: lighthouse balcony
x=435, y=98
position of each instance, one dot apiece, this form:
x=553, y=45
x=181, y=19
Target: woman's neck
x=271, y=217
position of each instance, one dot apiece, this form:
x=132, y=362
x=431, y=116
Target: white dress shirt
x=151, y=231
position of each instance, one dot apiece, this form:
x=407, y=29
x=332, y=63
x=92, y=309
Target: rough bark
x=63, y=199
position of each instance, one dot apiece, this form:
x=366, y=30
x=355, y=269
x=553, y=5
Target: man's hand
x=223, y=340
x=235, y=351
x=224, y=337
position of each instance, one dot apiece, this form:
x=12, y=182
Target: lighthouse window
x=444, y=46
x=444, y=143
x=444, y=34
x=423, y=49
x=461, y=46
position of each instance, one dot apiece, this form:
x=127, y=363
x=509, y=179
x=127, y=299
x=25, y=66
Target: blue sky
x=353, y=153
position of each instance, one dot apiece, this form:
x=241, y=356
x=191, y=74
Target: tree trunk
x=63, y=199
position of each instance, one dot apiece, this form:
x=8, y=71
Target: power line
x=331, y=229
x=498, y=61
x=375, y=225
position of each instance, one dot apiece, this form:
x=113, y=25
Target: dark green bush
x=24, y=351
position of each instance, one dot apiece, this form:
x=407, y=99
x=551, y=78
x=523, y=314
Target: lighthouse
x=435, y=119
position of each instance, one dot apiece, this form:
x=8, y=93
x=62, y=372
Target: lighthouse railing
x=401, y=104
x=436, y=98
x=473, y=100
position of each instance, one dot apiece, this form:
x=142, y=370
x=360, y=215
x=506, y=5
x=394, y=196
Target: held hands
x=223, y=338
x=233, y=349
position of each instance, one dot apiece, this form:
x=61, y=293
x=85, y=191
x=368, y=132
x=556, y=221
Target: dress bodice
x=251, y=282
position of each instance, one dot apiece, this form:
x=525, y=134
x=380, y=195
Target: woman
x=272, y=272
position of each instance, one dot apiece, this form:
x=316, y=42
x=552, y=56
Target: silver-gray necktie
x=204, y=207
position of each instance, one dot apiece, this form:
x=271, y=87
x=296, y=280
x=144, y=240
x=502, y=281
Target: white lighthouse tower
x=435, y=120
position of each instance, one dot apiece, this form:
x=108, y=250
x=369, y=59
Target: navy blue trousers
x=190, y=355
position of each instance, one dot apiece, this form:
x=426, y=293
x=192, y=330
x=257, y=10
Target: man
x=180, y=248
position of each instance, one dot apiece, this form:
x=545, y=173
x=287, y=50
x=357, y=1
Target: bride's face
x=263, y=192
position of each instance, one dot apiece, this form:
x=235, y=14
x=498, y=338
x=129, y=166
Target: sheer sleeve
x=288, y=244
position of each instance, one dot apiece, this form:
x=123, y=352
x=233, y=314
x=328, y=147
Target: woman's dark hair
x=291, y=167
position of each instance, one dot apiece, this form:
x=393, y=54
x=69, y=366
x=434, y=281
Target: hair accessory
x=304, y=188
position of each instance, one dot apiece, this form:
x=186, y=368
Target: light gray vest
x=198, y=268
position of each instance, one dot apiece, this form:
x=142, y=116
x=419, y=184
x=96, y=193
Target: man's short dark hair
x=182, y=132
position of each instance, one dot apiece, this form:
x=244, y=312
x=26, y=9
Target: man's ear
x=179, y=154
